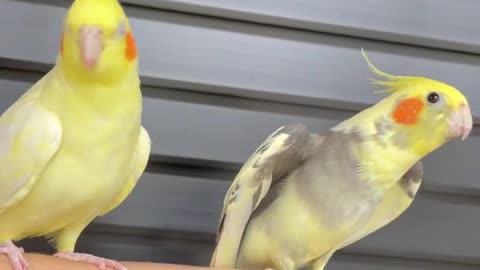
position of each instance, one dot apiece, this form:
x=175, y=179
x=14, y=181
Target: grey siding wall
x=219, y=76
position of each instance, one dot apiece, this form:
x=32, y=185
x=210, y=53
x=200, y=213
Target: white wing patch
x=272, y=145
x=29, y=138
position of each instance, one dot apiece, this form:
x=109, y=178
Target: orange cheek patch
x=407, y=111
x=131, y=51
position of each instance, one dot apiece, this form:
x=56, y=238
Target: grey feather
x=268, y=169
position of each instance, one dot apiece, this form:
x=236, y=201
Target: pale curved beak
x=460, y=122
x=91, y=45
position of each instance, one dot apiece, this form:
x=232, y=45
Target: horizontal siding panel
x=434, y=227
x=431, y=23
x=171, y=202
x=149, y=249
x=437, y=227
x=207, y=130
x=228, y=130
x=218, y=133
x=451, y=165
x=241, y=59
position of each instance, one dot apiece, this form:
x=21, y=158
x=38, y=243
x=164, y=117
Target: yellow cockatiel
x=72, y=147
x=302, y=196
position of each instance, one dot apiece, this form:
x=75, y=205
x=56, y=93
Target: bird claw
x=88, y=258
x=15, y=254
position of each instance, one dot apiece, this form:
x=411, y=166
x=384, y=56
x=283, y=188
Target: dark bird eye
x=433, y=97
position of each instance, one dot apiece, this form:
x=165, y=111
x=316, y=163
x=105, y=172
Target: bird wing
x=279, y=154
x=140, y=163
x=30, y=135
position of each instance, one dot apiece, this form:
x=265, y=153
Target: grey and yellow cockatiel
x=301, y=196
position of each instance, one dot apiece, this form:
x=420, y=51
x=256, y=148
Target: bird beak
x=91, y=45
x=460, y=122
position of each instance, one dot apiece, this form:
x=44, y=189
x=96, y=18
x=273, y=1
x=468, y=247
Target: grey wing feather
x=279, y=154
x=396, y=200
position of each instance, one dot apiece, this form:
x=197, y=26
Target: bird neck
x=385, y=151
x=59, y=91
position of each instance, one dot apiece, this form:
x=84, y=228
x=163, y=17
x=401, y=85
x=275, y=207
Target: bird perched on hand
x=72, y=147
x=302, y=196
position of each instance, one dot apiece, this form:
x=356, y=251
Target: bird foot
x=15, y=254
x=88, y=258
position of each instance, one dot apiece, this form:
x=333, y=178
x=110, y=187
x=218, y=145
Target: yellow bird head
x=97, y=42
x=425, y=111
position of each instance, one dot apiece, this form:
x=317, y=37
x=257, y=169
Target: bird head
x=97, y=42
x=426, y=113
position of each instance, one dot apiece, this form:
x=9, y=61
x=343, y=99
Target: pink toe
x=17, y=260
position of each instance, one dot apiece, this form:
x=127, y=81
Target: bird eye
x=433, y=97
x=122, y=29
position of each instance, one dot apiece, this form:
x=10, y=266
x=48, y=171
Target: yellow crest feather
x=393, y=83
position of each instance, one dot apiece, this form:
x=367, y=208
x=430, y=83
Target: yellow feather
x=375, y=69
x=393, y=83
